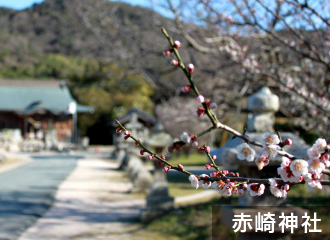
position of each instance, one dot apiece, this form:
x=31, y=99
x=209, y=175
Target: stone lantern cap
x=263, y=101
x=159, y=138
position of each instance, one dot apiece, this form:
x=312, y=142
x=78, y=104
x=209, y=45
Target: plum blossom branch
x=292, y=170
x=188, y=72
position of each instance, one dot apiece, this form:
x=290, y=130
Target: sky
x=22, y=4
x=18, y=4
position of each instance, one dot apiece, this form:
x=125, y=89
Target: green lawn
x=193, y=159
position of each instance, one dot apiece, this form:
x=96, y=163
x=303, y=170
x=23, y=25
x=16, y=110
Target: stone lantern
x=263, y=106
x=158, y=201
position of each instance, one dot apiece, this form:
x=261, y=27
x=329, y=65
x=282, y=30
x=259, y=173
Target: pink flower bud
x=287, y=142
x=214, y=157
x=325, y=157
x=160, y=163
x=175, y=63
x=200, y=99
x=150, y=157
x=142, y=151
x=186, y=89
x=190, y=68
x=119, y=130
x=126, y=137
x=166, y=169
x=180, y=166
x=213, y=174
x=170, y=149
x=168, y=52
x=207, y=167
x=200, y=111
x=177, y=44
x=207, y=149
x=127, y=133
x=163, y=157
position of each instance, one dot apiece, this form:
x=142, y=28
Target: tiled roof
x=26, y=96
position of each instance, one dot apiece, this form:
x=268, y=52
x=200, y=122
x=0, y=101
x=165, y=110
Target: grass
x=194, y=222
x=193, y=159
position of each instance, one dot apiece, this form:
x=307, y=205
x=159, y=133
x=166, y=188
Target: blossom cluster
x=291, y=171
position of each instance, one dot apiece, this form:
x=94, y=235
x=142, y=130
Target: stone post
x=158, y=201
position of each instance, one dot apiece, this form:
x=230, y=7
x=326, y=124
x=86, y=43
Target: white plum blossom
x=262, y=161
x=220, y=187
x=285, y=162
x=315, y=166
x=272, y=182
x=256, y=189
x=245, y=152
x=326, y=163
x=285, y=171
x=194, y=181
x=307, y=177
x=313, y=153
x=194, y=143
x=185, y=137
x=228, y=192
x=271, y=150
x=240, y=191
x=287, y=175
x=215, y=185
x=284, y=193
x=205, y=184
x=315, y=183
x=270, y=139
x=212, y=105
x=276, y=191
x=235, y=191
x=299, y=167
x=320, y=145
x=270, y=144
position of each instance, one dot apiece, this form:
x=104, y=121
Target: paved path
x=93, y=203
x=28, y=191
